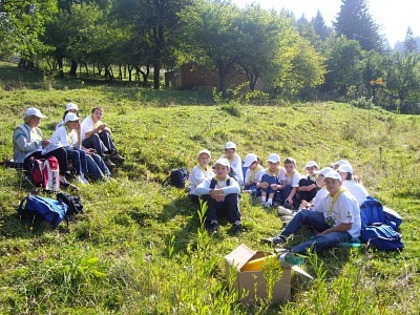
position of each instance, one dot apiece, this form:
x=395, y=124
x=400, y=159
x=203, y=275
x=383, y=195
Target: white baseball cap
x=33, y=112
x=249, y=159
x=230, y=145
x=333, y=174
x=324, y=171
x=273, y=158
x=223, y=162
x=311, y=164
x=345, y=168
x=204, y=151
x=341, y=162
x=71, y=117
x=70, y=106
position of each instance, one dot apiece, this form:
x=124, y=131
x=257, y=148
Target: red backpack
x=45, y=173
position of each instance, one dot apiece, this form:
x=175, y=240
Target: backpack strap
x=213, y=183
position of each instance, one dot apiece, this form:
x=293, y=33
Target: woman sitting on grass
x=97, y=135
x=29, y=142
x=84, y=160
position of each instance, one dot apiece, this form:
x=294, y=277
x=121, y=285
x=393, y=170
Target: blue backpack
x=35, y=208
x=379, y=227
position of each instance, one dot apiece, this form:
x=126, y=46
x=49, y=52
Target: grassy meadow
x=139, y=248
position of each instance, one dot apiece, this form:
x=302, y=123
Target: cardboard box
x=251, y=284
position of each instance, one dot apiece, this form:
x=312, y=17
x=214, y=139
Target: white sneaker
x=286, y=218
x=80, y=180
x=284, y=211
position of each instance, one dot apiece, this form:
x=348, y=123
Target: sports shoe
x=284, y=211
x=236, y=228
x=279, y=239
x=286, y=218
x=81, y=180
x=108, y=162
x=116, y=156
x=213, y=227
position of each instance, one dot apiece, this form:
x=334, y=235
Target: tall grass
x=140, y=248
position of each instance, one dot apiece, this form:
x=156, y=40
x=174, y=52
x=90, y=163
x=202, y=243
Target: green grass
x=140, y=249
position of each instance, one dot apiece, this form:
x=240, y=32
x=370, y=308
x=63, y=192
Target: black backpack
x=177, y=178
x=73, y=202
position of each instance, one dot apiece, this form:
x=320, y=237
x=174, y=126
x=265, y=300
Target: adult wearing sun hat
x=337, y=218
x=200, y=172
x=29, y=142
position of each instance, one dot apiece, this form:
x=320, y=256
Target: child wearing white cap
x=221, y=194
x=273, y=181
x=200, y=172
x=336, y=218
x=235, y=162
x=70, y=108
x=307, y=185
x=253, y=173
x=357, y=189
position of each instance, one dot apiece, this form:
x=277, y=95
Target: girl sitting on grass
x=199, y=173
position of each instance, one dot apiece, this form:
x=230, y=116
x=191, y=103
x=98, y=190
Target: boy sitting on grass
x=221, y=194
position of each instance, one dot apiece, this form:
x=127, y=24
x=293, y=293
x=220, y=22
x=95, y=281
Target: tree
x=212, y=37
x=355, y=22
x=158, y=20
x=403, y=75
x=266, y=45
x=373, y=72
x=410, y=44
x=319, y=26
x=343, y=68
x=21, y=25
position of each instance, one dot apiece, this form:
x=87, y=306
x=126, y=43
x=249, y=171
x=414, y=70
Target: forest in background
x=295, y=58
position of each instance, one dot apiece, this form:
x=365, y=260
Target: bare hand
x=275, y=186
x=44, y=143
x=264, y=185
x=216, y=194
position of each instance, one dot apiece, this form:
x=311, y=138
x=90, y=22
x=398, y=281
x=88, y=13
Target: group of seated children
x=280, y=186
x=88, y=145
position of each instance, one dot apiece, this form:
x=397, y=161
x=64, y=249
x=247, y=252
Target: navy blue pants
x=227, y=208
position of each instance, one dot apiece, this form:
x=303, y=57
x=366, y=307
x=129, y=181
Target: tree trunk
x=145, y=74
x=156, y=75
x=60, y=67
x=120, y=74
x=86, y=68
x=223, y=74
x=73, y=68
x=130, y=68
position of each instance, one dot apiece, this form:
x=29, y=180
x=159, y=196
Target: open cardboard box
x=252, y=284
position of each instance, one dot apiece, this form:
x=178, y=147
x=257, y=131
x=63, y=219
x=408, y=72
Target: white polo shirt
x=198, y=175
x=88, y=125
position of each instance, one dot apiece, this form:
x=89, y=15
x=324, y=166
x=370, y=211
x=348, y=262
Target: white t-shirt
x=293, y=180
x=88, y=125
x=345, y=210
x=236, y=166
x=61, y=136
x=255, y=175
x=320, y=195
x=198, y=175
x=356, y=189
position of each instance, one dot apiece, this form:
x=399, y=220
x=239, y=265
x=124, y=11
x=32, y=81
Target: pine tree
x=355, y=22
x=319, y=26
x=410, y=44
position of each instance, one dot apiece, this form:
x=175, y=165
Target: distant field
x=138, y=248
